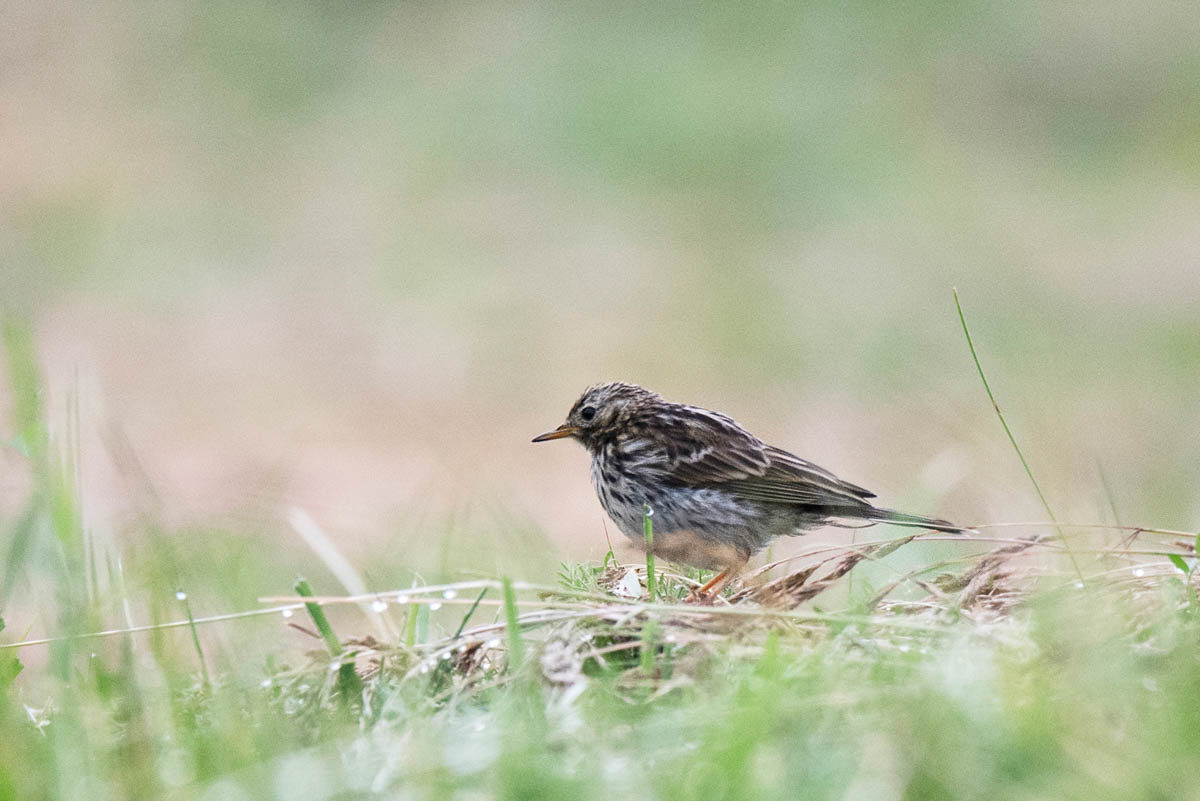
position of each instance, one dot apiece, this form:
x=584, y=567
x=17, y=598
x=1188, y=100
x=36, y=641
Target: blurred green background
x=352, y=257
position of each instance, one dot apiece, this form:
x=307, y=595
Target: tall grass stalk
x=187, y=608
x=349, y=683
x=648, y=532
x=1012, y=439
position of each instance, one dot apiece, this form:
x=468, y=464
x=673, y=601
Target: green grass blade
x=349, y=683
x=1109, y=496
x=20, y=541
x=462, y=624
x=516, y=645
x=1012, y=439
x=187, y=608
x=10, y=666
x=648, y=532
x=317, y=614
x=25, y=385
x=649, y=645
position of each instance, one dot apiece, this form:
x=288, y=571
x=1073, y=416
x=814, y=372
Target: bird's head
x=601, y=412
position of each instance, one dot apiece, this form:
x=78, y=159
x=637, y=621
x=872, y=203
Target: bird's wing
x=703, y=448
x=792, y=480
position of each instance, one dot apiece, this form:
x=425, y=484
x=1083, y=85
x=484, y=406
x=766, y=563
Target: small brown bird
x=718, y=493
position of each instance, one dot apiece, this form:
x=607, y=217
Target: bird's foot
x=708, y=594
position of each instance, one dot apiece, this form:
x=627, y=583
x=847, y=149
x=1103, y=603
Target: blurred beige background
x=352, y=258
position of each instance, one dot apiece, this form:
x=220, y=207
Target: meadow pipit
x=718, y=493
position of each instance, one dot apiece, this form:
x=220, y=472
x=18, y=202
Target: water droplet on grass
x=379, y=605
x=436, y=605
x=448, y=594
x=286, y=613
x=492, y=643
x=180, y=595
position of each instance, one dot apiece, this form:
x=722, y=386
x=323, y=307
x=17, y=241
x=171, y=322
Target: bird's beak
x=562, y=431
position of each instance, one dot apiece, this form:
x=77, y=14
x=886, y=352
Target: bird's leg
x=712, y=589
x=691, y=548
x=716, y=583
x=709, y=592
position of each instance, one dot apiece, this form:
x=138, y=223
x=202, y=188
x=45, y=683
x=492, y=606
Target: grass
x=1015, y=667
x=996, y=677
x=1008, y=432
x=648, y=534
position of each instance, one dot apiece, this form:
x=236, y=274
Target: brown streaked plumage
x=718, y=493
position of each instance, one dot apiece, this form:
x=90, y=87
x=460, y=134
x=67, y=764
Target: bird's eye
x=587, y=413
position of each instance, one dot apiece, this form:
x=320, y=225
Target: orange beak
x=562, y=431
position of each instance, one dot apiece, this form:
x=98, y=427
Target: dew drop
x=401, y=598
x=1078, y=585
x=448, y=594
x=492, y=643
x=436, y=605
x=445, y=655
x=1137, y=571
x=265, y=683
x=180, y=595
x=286, y=613
x=378, y=605
x=424, y=668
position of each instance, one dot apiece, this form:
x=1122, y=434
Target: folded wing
x=709, y=449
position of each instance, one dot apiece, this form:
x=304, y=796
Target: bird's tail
x=904, y=519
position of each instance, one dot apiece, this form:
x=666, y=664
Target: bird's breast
x=625, y=487
x=620, y=491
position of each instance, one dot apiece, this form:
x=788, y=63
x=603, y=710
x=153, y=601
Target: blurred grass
x=1078, y=692
x=1075, y=692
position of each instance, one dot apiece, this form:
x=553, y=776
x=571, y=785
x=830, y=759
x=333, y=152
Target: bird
x=717, y=493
